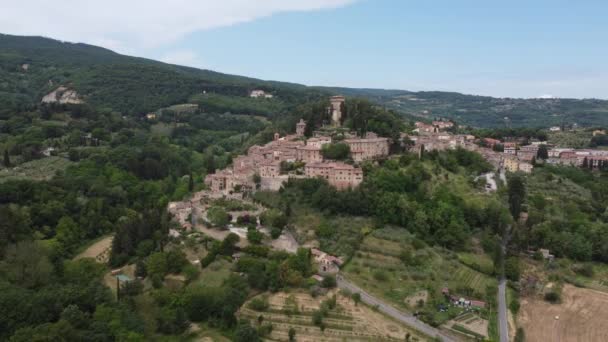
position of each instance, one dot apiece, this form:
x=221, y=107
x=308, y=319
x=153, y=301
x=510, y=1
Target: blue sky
x=509, y=48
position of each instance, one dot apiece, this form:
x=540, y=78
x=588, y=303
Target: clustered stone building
x=266, y=160
x=593, y=159
x=434, y=138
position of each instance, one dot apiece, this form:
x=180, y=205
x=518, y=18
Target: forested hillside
x=485, y=111
x=31, y=67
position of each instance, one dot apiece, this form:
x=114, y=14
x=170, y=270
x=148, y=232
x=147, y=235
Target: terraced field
x=347, y=322
x=389, y=266
x=473, y=279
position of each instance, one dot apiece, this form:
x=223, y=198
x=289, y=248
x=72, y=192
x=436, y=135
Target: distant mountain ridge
x=486, y=111
x=32, y=67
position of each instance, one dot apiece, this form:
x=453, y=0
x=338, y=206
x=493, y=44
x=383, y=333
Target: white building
x=260, y=93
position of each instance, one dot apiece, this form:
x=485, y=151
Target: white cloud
x=128, y=25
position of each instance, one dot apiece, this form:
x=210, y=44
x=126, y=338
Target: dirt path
x=99, y=250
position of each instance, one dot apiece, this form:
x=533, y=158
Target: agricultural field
x=337, y=235
x=395, y=266
x=346, y=322
x=40, y=169
x=470, y=324
x=98, y=249
x=592, y=275
x=581, y=316
x=571, y=139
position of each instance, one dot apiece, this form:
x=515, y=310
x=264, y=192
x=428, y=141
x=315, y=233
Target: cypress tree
x=7, y=159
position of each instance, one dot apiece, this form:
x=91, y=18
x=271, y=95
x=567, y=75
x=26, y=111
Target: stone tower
x=300, y=128
x=336, y=109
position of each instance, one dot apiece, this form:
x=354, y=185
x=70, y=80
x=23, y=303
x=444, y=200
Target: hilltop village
x=261, y=168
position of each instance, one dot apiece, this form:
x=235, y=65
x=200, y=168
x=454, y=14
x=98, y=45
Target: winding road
x=403, y=317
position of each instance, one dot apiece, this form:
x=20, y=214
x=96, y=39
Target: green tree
x=257, y=179
x=26, y=263
x=246, y=333
x=338, y=151
x=356, y=298
x=292, y=334
x=512, y=269
x=517, y=193
x=520, y=335
x=190, y=182
x=15, y=223
x=254, y=236
x=227, y=246
x=156, y=265
x=69, y=234
x=7, y=159
x=218, y=216
x=328, y=282
x=543, y=152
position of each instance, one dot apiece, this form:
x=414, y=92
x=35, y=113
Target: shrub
x=265, y=329
x=259, y=304
x=520, y=335
x=275, y=233
x=254, y=236
x=191, y=272
x=514, y=305
x=380, y=275
x=317, y=318
x=585, y=270
x=328, y=282
x=552, y=297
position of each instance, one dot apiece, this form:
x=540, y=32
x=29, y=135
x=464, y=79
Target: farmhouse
x=327, y=263
x=260, y=93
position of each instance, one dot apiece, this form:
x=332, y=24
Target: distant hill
x=485, y=111
x=31, y=67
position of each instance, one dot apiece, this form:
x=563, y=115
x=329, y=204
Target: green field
x=479, y=262
x=40, y=169
x=214, y=274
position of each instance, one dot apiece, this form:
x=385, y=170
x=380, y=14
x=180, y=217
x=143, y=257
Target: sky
x=515, y=48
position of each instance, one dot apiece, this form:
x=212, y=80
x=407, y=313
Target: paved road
x=406, y=318
x=503, y=325
x=503, y=177
x=502, y=311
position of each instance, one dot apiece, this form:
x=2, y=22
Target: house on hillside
x=260, y=93
x=327, y=263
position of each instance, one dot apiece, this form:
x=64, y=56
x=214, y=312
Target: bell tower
x=336, y=109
